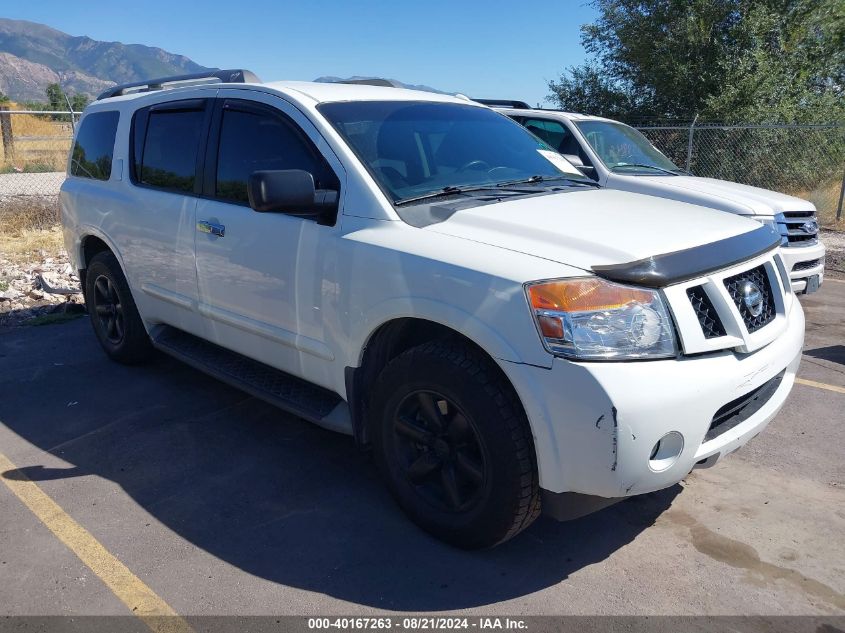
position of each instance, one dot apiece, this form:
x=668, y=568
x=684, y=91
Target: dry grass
x=826, y=199
x=40, y=143
x=28, y=227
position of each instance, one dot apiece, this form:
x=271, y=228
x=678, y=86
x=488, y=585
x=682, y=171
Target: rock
x=23, y=299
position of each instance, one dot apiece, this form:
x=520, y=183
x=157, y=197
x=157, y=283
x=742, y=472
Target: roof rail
x=373, y=81
x=504, y=103
x=234, y=76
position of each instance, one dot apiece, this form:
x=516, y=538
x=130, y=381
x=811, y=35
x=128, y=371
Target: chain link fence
x=34, y=147
x=807, y=161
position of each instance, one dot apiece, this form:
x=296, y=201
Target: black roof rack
x=373, y=81
x=233, y=76
x=505, y=103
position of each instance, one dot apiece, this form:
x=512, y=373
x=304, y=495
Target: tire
x=453, y=444
x=115, y=318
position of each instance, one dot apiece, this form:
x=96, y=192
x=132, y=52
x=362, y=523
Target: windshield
x=414, y=149
x=624, y=149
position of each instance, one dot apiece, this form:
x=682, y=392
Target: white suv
x=619, y=157
x=420, y=272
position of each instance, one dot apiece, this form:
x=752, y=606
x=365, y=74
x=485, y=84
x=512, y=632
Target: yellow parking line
x=140, y=599
x=820, y=385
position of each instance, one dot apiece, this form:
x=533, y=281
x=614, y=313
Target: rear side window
x=252, y=140
x=94, y=146
x=169, y=153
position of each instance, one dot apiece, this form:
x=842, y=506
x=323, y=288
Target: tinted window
x=414, y=149
x=92, y=151
x=169, y=159
x=558, y=136
x=252, y=141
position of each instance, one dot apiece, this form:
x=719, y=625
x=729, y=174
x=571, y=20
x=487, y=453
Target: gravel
x=834, y=242
x=22, y=296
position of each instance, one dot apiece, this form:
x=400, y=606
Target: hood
x=594, y=227
x=717, y=194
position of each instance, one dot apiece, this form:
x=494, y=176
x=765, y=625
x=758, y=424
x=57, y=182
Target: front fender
x=479, y=332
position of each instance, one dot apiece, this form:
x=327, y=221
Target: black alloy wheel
x=453, y=444
x=114, y=316
x=109, y=310
x=439, y=450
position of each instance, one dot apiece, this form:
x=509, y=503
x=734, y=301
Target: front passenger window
x=252, y=141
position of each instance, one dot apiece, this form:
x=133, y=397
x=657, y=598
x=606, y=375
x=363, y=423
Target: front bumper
x=799, y=260
x=595, y=425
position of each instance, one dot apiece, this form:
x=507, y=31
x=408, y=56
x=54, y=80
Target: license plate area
x=812, y=284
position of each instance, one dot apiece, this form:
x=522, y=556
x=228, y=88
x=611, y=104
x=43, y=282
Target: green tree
x=4, y=98
x=731, y=60
x=79, y=101
x=56, y=97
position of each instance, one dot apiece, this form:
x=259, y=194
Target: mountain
x=34, y=55
x=330, y=79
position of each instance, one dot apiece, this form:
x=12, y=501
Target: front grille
x=806, y=265
x=797, y=228
x=739, y=410
x=710, y=322
x=736, y=287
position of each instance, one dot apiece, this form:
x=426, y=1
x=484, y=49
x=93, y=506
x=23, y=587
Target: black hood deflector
x=671, y=268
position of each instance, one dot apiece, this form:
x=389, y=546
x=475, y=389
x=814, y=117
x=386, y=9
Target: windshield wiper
x=499, y=187
x=665, y=171
x=451, y=190
x=538, y=179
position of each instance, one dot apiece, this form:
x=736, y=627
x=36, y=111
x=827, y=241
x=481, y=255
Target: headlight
x=593, y=319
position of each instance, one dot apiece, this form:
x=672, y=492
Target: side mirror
x=288, y=191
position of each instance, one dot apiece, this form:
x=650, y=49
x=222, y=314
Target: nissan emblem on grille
x=753, y=298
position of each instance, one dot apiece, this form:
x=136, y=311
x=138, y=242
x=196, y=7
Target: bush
x=29, y=213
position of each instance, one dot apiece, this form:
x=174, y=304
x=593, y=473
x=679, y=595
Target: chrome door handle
x=211, y=228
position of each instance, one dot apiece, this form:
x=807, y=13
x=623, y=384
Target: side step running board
x=297, y=396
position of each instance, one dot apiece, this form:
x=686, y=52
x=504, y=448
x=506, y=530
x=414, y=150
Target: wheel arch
x=91, y=243
x=393, y=336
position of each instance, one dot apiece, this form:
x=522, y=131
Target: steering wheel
x=475, y=165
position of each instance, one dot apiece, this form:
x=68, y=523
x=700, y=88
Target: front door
x=259, y=273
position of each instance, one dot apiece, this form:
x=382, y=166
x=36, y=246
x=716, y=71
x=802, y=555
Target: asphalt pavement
x=217, y=503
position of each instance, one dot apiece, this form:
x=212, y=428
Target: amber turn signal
x=578, y=295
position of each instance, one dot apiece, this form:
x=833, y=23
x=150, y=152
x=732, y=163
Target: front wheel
x=115, y=318
x=454, y=446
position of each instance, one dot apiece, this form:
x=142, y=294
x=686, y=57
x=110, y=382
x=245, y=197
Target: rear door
x=260, y=275
x=157, y=230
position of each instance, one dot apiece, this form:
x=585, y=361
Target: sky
x=484, y=49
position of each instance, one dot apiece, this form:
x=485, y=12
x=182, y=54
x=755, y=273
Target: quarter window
x=94, y=146
x=253, y=140
x=169, y=158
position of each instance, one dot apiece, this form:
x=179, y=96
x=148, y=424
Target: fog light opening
x=666, y=451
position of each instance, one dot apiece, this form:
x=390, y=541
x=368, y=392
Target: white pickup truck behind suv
x=420, y=272
x=618, y=156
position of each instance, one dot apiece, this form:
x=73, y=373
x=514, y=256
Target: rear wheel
x=115, y=318
x=454, y=446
